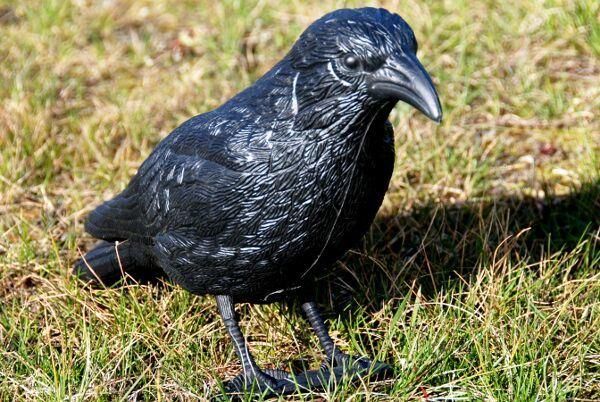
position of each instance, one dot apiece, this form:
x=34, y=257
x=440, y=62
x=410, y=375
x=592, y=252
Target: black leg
x=227, y=311
x=342, y=362
x=278, y=382
x=252, y=375
x=318, y=325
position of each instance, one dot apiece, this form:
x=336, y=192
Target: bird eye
x=351, y=62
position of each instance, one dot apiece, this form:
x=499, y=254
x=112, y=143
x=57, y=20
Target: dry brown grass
x=478, y=280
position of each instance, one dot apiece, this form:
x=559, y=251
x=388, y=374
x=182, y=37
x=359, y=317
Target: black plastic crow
x=249, y=202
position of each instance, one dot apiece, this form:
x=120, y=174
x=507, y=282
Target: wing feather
x=185, y=182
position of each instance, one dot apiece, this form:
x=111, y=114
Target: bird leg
x=252, y=377
x=318, y=325
x=278, y=382
x=339, y=362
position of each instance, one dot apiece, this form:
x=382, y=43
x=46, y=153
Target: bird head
x=369, y=52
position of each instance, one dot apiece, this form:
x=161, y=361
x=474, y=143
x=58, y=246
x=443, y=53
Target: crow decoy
x=251, y=201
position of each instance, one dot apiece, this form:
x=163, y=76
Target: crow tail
x=107, y=263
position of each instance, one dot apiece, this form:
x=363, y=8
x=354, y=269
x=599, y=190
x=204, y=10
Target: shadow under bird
x=251, y=201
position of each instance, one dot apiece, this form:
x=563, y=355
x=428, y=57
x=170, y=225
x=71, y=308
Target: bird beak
x=404, y=78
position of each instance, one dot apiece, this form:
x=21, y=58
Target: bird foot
x=345, y=367
x=355, y=367
x=270, y=382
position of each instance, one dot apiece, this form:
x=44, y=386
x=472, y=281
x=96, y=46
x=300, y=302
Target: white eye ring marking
x=344, y=82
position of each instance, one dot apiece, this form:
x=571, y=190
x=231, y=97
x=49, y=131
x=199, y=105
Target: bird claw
x=268, y=382
x=271, y=382
x=355, y=367
x=346, y=367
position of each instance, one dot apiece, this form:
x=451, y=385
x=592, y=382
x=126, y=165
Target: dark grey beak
x=404, y=78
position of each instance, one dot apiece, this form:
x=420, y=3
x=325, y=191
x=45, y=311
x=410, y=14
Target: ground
x=479, y=279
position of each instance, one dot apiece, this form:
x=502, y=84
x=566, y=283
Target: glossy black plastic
x=254, y=199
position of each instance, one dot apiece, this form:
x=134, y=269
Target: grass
x=478, y=281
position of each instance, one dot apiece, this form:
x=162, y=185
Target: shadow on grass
x=437, y=244
x=432, y=246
